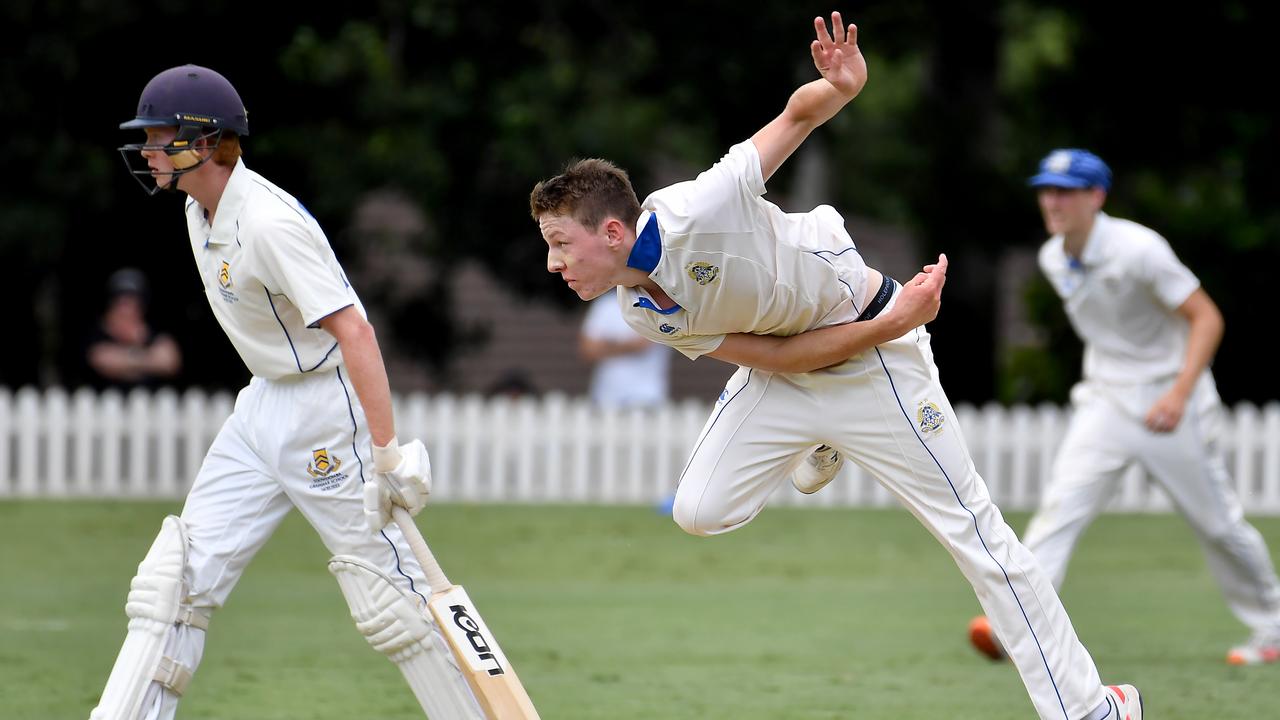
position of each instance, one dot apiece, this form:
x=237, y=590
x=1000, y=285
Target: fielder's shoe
x=1263, y=647
x=1125, y=701
x=984, y=638
x=817, y=470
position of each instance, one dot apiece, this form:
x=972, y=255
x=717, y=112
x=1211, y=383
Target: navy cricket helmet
x=200, y=103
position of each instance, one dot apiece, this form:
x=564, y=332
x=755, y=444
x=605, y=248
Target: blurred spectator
x=513, y=383
x=123, y=351
x=630, y=371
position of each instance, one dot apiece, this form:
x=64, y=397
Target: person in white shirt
x=628, y=369
x=830, y=352
x=1147, y=397
x=313, y=430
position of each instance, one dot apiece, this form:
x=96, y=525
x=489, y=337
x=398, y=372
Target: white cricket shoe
x=1126, y=703
x=1263, y=647
x=817, y=470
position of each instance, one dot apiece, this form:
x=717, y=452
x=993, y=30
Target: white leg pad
x=158, y=604
x=397, y=625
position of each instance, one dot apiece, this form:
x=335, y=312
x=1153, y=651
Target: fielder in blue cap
x=1147, y=397
x=1074, y=169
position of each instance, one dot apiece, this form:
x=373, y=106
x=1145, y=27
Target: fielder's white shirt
x=270, y=277
x=735, y=262
x=1120, y=297
x=637, y=379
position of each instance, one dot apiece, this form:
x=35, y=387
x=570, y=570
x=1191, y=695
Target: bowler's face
x=582, y=257
x=1068, y=210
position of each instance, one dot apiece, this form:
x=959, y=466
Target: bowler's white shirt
x=270, y=277
x=1120, y=297
x=735, y=262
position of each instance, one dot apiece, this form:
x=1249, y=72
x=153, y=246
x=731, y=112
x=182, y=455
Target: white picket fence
x=550, y=449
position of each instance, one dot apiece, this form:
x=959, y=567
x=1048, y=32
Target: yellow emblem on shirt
x=224, y=275
x=322, y=464
x=702, y=273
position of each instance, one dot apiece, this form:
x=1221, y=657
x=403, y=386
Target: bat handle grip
x=435, y=576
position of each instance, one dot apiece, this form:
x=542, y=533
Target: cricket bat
x=486, y=669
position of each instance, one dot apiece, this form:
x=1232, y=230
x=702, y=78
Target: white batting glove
x=402, y=476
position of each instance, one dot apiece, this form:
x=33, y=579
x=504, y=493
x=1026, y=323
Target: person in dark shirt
x=123, y=350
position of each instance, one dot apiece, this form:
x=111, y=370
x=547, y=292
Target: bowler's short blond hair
x=589, y=191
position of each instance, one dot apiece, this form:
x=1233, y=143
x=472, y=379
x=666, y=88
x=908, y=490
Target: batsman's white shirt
x=1121, y=296
x=735, y=263
x=270, y=276
x=298, y=437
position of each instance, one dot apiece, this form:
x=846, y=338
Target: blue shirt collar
x=647, y=304
x=647, y=251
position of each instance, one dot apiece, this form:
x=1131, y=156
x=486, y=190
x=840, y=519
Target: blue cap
x=1071, y=168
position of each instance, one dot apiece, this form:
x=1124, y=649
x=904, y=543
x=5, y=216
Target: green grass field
x=614, y=613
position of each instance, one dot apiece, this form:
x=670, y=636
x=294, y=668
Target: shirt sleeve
x=1170, y=281
x=691, y=346
x=721, y=199
x=736, y=172
x=742, y=165
x=296, y=265
x=695, y=346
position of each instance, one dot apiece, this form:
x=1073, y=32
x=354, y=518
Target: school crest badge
x=703, y=273
x=224, y=275
x=323, y=464
x=929, y=418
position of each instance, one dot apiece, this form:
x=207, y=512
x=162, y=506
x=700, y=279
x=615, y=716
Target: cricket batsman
x=313, y=430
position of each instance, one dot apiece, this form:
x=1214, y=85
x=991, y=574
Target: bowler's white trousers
x=300, y=442
x=1107, y=436
x=886, y=410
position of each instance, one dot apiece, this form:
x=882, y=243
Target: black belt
x=880, y=300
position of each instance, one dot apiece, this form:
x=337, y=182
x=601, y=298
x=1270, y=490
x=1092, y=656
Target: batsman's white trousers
x=298, y=442
x=1105, y=437
x=886, y=410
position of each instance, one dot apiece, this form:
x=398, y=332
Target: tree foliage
x=460, y=107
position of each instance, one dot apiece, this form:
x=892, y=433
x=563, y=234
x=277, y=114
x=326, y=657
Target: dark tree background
x=461, y=106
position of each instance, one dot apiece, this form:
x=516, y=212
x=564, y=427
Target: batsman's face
x=1069, y=210
x=159, y=162
x=586, y=259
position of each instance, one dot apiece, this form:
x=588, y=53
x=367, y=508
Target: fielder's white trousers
x=886, y=410
x=294, y=443
x=1105, y=437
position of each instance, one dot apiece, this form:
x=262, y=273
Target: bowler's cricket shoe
x=817, y=470
x=1126, y=703
x=984, y=638
x=1263, y=647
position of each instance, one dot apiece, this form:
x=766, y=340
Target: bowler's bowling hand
x=921, y=296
